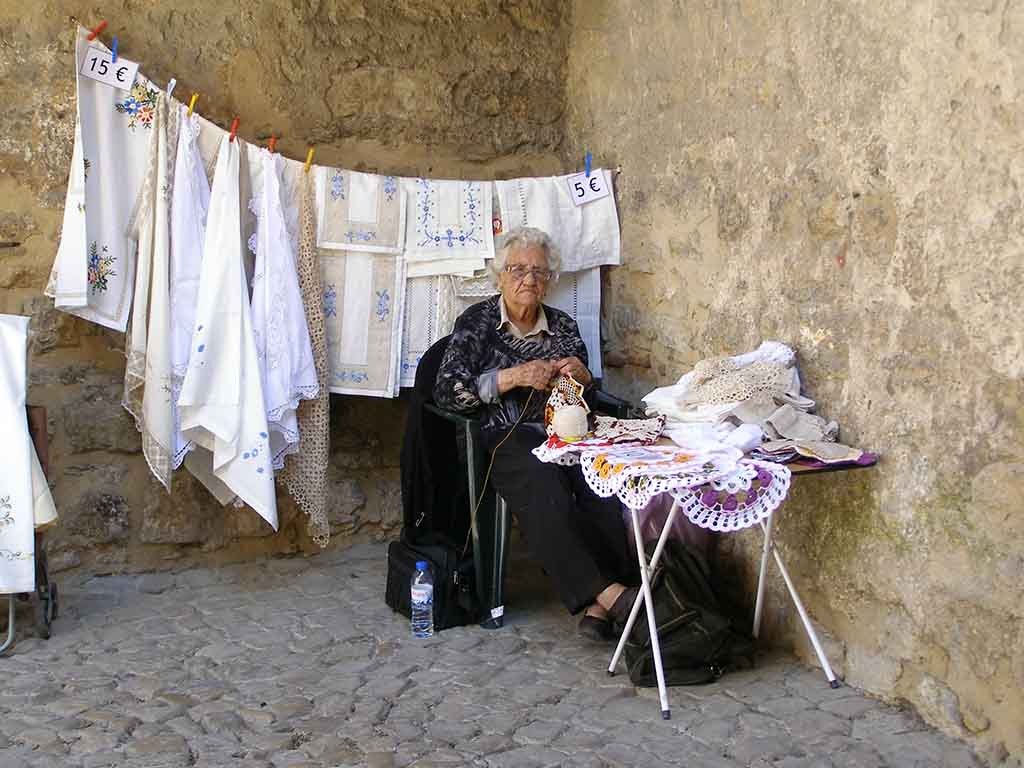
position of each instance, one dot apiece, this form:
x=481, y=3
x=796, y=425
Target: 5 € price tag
x=585, y=189
x=98, y=66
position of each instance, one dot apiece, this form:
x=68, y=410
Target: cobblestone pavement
x=297, y=662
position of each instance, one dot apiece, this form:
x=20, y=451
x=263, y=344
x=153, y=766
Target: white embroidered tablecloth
x=360, y=211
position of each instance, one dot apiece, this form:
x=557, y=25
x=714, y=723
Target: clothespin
x=113, y=51
x=309, y=159
x=192, y=103
x=234, y=129
x=96, y=31
x=170, y=86
x=272, y=144
x=586, y=163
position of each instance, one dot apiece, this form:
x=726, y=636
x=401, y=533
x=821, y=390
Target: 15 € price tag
x=586, y=189
x=99, y=67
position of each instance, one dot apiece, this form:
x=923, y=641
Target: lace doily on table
x=739, y=500
x=638, y=473
x=607, y=431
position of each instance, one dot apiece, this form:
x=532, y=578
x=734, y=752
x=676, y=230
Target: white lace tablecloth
x=717, y=489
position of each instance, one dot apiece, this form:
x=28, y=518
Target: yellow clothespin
x=309, y=159
x=192, y=103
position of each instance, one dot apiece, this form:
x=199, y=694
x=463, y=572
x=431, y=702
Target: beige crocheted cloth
x=305, y=472
x=718, y=381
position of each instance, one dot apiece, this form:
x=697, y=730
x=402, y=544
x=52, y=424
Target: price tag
x=98, y=66
x=586, y=189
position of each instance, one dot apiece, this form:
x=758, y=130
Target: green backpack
x=698, y=643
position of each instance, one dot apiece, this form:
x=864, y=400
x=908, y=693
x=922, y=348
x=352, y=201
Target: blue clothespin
x=586, y=161
x=113, y=51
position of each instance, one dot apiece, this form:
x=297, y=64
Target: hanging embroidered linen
x=360, y=211
x=17, y=501
x=587, y=236
x=222, y=406
x=428, y=317
x=147, y=380
x=305, y=472
x=448, y=230
x=364, y=301
x=287, y=370
x=576, y=293
x=113, y=127
x=190, y=202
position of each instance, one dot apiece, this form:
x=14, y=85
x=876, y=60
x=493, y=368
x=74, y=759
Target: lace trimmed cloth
x=305, y=472
x=739, y=500
x=283, y=347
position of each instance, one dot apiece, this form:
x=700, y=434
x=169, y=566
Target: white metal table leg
x=808, y=627
x=10, y=624
x=759, y=603
x=652, y=625
x=635, y=610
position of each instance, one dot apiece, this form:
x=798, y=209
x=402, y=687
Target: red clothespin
x=273, y=144
x=96, y=31
x=234, y=129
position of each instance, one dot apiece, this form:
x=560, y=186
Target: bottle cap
x=422, y=565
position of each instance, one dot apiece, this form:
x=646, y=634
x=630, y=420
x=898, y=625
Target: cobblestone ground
x=299, y=663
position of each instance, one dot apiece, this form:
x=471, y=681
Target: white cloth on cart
x=190, y=202
x=587, y=235
x=287, y=370
x=222, y=406
x=17, y=500
x=147, y=379
x=112, y=133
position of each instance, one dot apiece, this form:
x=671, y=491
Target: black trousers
x=578, y=537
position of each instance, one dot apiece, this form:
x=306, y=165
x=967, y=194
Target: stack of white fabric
x=737, y=400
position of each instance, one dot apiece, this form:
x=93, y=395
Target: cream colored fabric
x=540, y=325
x=360, y=211
x=43, y=509
x=363, y=309
x=305, y=472
x=148, y=381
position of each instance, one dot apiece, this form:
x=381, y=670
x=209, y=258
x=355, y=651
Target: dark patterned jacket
x=478, y=346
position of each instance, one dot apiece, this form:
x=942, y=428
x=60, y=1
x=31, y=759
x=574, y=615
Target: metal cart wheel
x=44, y=599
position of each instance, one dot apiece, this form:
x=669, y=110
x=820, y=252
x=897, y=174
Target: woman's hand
x=536, y=374
x=573, y=366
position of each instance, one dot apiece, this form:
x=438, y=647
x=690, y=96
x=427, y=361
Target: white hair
x=525, y=237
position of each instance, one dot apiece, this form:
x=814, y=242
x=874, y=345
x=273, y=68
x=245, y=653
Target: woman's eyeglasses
x=519, y=273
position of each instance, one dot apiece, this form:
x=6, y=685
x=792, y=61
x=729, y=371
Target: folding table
x=647, y=568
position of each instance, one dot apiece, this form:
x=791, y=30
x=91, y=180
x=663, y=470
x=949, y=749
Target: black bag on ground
x=697, y=641
x=455, y=599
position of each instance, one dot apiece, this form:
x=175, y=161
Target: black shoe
x=619, y=612
x=595, y=629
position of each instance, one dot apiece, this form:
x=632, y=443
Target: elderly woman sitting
x=502, y=359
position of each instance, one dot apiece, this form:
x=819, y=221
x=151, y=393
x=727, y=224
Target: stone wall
x=445, y=88
x=846, y=178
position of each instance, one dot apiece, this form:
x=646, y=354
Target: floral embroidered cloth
x=190, y=202
x=17, y=500
x=147, y=380
x=287, y=370
x=94, y=270
x=448, y=227
x=586, y=235
x=360, y=211
x=364, y=295
x=222, y=407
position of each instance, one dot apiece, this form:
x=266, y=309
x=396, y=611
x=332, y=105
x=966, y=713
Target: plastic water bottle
x=422, y=600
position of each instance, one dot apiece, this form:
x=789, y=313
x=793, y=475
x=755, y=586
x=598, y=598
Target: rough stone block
x=95, y=421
